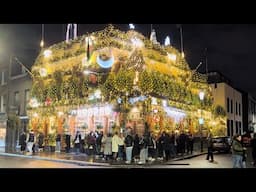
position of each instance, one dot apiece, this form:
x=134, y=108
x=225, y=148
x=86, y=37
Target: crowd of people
x=239, y=151
x=135, y=148
x=130, y=147
x=126, y=146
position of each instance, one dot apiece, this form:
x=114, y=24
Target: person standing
x=151, y=147
x=253, y=145
x=99, y=143
x=58, y=140
x=91, y=141
x=182, y=143
x=210, y=148
x=190, y=143
x=121, y=147
x=143, y=147
x=40, y=141
x=237, y=152
x=77, y=142
x=136, y=148
x=107, y=146
x=115, y=141
x=160, y=148
x=22, y=142
x=30, y=141
x=166, y=145
x=128, y=147
x=67, y=141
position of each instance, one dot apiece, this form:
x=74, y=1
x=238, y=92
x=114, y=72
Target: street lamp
x=201, y=120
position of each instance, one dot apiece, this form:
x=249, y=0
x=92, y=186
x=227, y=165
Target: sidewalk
x=85, y=160
x=80, y=159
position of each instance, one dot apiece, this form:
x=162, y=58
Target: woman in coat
x=107, y=149
x=115, y=142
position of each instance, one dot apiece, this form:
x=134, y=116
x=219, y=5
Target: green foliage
x=37, y=91
x=124, y=81
x=146, y=83
x=108, y=87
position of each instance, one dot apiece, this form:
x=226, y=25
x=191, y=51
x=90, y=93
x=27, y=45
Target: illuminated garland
x=159, y=75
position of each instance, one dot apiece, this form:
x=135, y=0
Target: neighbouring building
x=18, y=95
x=3, y=101
x=230, y=98
x=249, y=112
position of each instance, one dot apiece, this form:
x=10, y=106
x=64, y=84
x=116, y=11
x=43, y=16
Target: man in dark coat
x=182, y=143
x=210, y=148
x=67, y=141
x=22, y=142
x=253, y=145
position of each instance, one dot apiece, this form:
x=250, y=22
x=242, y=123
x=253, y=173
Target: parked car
x=222, y=144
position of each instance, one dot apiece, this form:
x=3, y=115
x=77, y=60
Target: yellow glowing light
x=47, y=53
x=182, y=54
x=35, y=115
x=97, y=94
x=90, y=39
x=172, y=56
x=137, y=42
x=214, y=123
x=33, y=102
x=60, y=113
x=201, y=95
x=43, y=72
x=42, y=43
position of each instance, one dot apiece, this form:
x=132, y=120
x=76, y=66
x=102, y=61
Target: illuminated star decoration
x=167, y=41
x=131, y=26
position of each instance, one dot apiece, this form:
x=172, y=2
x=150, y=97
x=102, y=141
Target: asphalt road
x=220, y=161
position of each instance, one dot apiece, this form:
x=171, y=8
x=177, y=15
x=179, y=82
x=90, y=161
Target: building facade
x=249, y=111
x=3, y=102
x=230, y=99
x=17, y=94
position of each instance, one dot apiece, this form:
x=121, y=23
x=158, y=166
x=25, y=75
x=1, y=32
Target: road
x=220, y=161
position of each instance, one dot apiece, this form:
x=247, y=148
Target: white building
x=230, y=99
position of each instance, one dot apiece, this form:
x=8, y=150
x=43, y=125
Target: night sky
x=230, y=47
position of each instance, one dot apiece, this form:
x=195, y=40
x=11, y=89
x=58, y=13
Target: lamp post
x=201, y=120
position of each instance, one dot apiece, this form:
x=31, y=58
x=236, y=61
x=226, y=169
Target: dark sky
x=230, y=47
